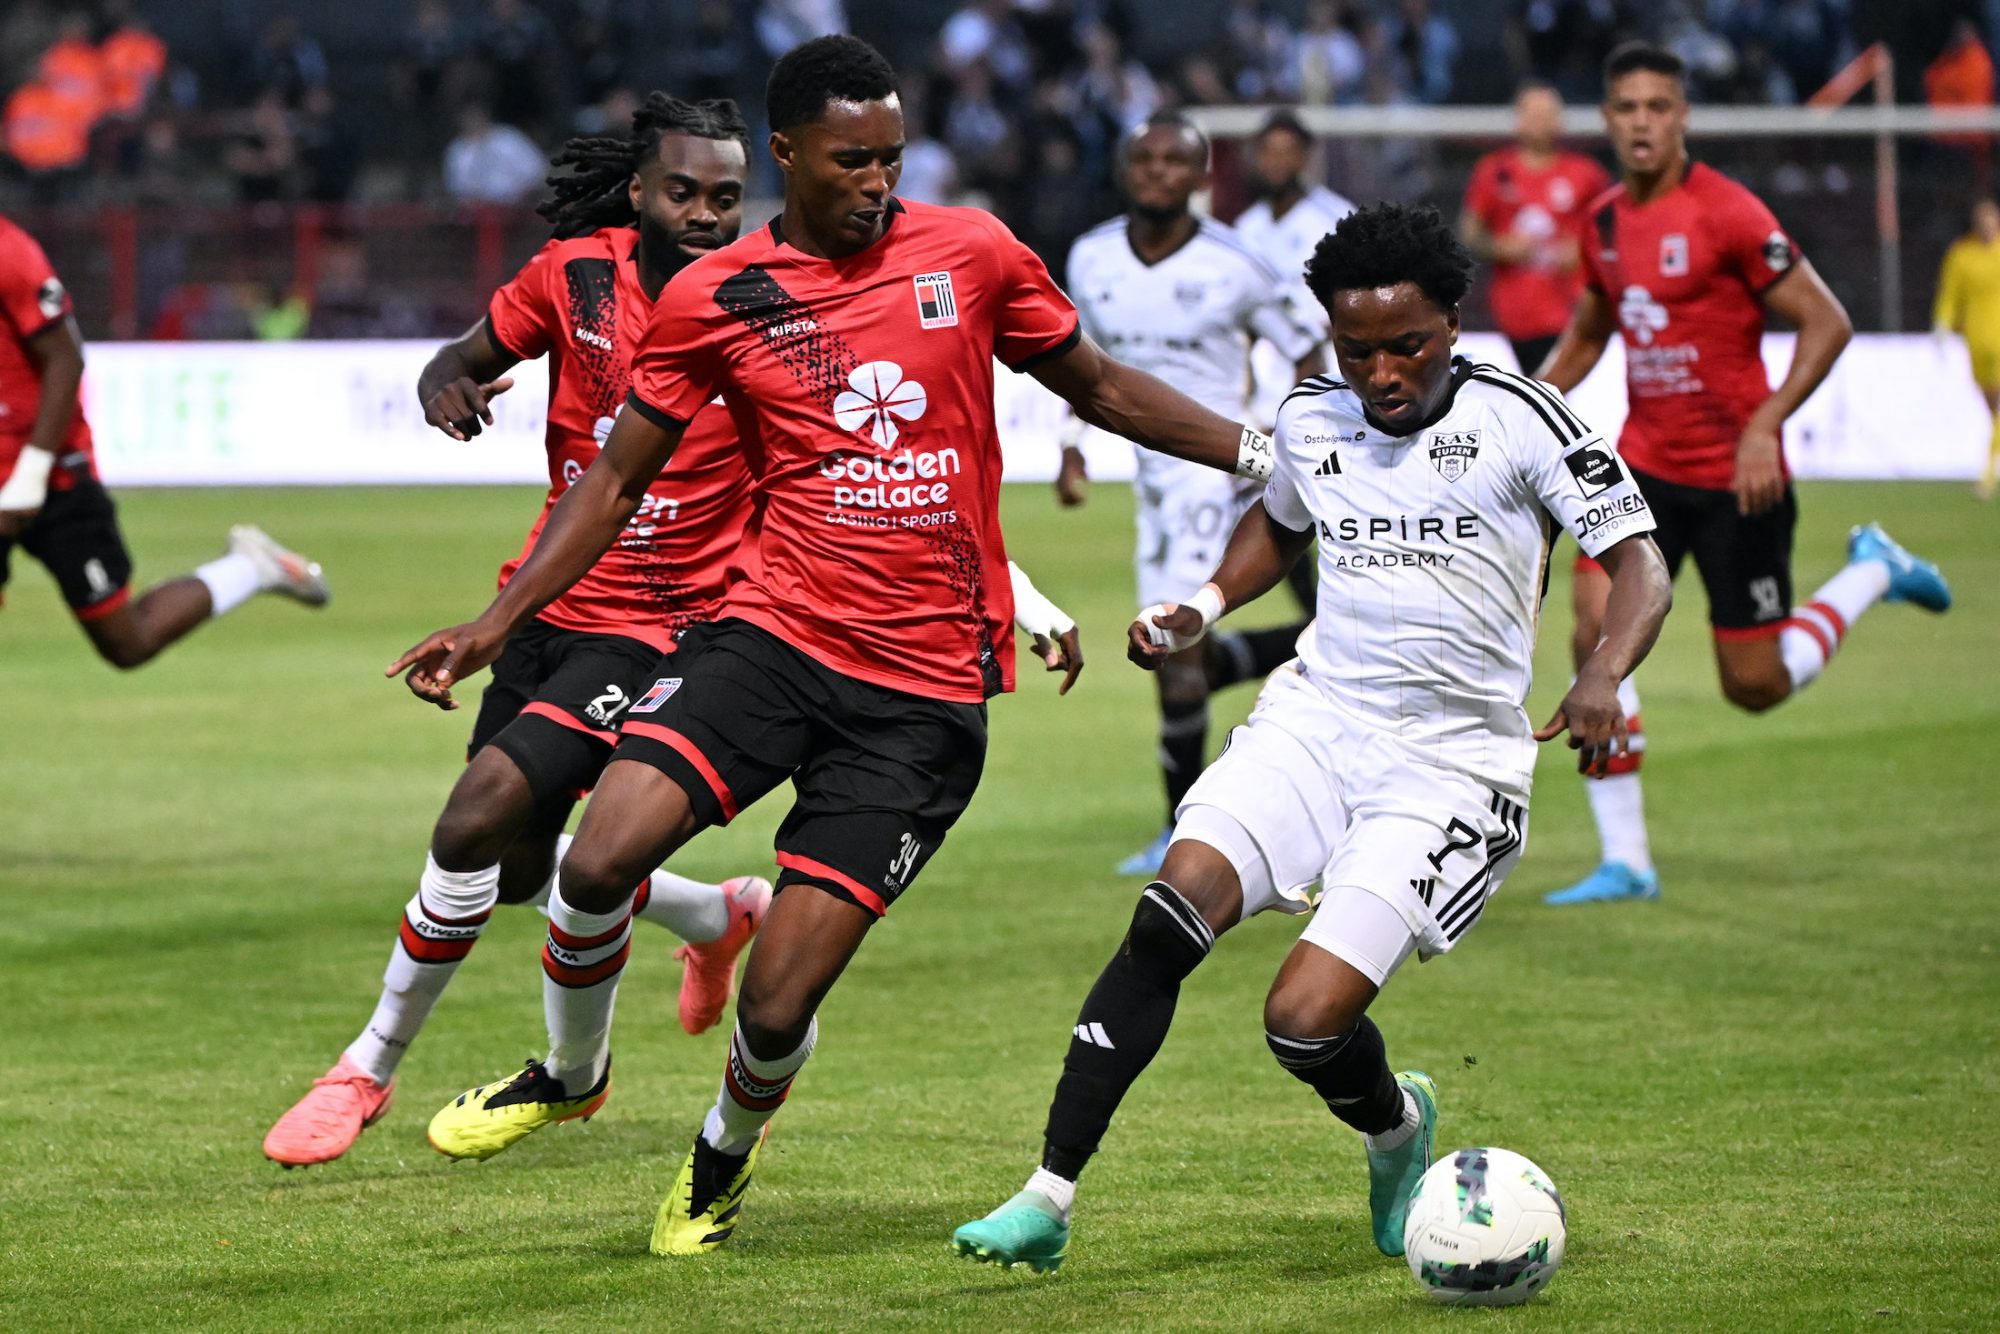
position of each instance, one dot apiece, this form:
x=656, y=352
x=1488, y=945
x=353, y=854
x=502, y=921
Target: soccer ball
x=1485, y=1228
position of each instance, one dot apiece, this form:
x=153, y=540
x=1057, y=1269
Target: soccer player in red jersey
x=853, y=342
x=1526, y=212
x=53, y=506
x=1687, y=264
x=632, y=211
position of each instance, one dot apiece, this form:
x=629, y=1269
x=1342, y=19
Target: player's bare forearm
x=1641, y=595
x=1581, y=346
x=588, y=518
x=461, y=379
x=1261, y=552
x=58, y=352
x=1801, y=299
x=1115, y=397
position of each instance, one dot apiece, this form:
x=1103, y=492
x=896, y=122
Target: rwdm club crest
x=1453, y=453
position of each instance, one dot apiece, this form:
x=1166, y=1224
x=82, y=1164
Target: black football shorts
x=76, y=536
x=879, y=776
x=1745, y=561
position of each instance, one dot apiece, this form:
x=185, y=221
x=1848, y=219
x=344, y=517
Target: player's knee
x=125, y=652
x=467, y=837
x=594, y=879
x=1168, y=937
x=774, y=1015
x=1295, y=1011
x=1756, y=694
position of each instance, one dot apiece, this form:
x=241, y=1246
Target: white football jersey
x=1287, y=243
x=1189, y=318
x=1433, y=555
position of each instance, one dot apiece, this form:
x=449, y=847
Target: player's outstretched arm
x=459, y=382
x=58, y=352
x=1800, y=299
x=1261, y=552
x=581, y=528
x=1641, y=594
x=1582, y=343
x=1114, y=397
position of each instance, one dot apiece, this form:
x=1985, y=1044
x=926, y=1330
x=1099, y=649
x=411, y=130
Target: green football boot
x=1027, y=1230
x=1393, y=1175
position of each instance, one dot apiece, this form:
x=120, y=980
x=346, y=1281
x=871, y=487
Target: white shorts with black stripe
x=1306, y=794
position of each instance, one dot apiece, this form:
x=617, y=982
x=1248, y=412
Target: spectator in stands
x=1424, y=45
x=264, y=157
x=1119, y=88
x=1258, y=41
x=46, y=134
x=516, y=44
x=132, y=58
x=985, y=33
x=930, y=172
x=287, y=60
x=1962, y=76
x=783, y=24
x=1564, y=42
x=715, y=53
x=26, y=29
x=1327, y=60
x=491, y=162
x=600, y=48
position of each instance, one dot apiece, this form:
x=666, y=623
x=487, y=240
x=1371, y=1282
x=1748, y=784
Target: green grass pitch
x=1769, y=1099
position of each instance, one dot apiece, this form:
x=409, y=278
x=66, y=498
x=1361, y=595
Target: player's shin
x=1351, y=1073
x=1123, y=1024
x=1617, y=801
x=694, y=910
x=581, y=963
x=1248, y=655
x=1816, y=630
x=1183, y=745
x=440, y=925
x=753, y=1088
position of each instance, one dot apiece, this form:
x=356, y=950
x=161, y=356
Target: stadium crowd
x=447, y=104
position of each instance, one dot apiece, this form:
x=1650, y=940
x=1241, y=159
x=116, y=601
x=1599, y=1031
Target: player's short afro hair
x=1386, y=244
x=826, y=69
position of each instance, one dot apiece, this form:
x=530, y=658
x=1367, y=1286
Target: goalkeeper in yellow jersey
x=1968, y=303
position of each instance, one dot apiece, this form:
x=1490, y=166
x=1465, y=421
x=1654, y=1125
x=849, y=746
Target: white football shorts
x=1306, y=794
x=1186, y=513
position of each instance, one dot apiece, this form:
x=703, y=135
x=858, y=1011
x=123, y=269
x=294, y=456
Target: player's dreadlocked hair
x=593, y=193
x=1386, y=244
x=826, y=69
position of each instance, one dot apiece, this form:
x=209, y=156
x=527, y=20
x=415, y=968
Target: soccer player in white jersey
x=1181, y=297
x=1390, y=766
x=1283, y=225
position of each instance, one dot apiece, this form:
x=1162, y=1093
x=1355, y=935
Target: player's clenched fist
x=445, y=657
x=460, y=407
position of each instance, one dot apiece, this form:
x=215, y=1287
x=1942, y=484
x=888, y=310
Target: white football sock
x=1061, y=1191
x=232, y=580
x=440, y=926
x=1815, y=630
x=1397, y=1138
x=1618, y=805
x=582, y=961
x=692, y=909
x=752, y=1092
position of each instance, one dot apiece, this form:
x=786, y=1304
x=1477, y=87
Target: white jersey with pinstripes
x=1433, y=556
x=1188, y=318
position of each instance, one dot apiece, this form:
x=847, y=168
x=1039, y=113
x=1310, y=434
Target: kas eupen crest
x=1453, y=453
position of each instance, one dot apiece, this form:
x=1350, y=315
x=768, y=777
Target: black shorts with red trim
x=880, y=776
x=1745, y=560
x=76, y=536
x=554, y=703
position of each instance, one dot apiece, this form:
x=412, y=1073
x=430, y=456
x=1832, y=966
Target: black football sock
x=1351, y=1072
x=1123, y=1023
x=1249, y=655
x=1183, y=743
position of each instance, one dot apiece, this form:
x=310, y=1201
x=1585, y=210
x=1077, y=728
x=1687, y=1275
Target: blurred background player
x=631, y=212
x=1182, y=297
x=1526, y=213
x=1968, y=303
x=1391, y=764
x=53, y=507
x=1283, y=224
x=1687, y=264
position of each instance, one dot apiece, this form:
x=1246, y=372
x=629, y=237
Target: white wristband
x=1034, y=614
x=28, y=485
x=1206, y=603
x=1254, y=456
